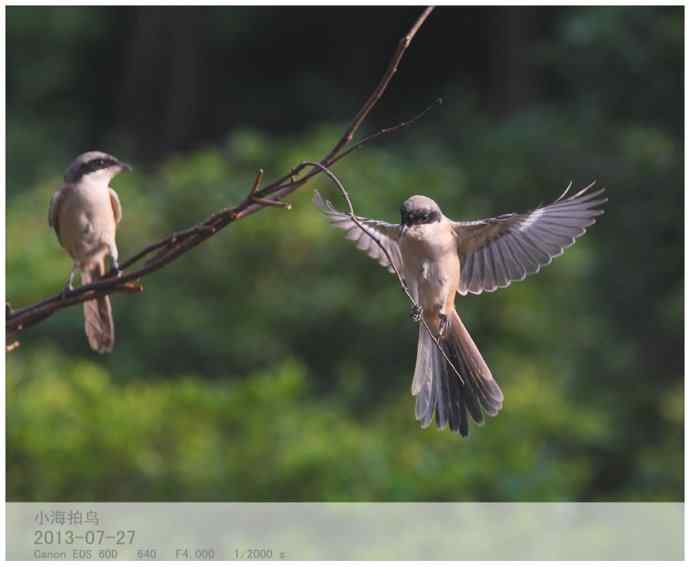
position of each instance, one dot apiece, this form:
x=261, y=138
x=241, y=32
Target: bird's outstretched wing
x=497, y=251
x=387, y=234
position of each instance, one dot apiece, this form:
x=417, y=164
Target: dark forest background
x=274, y=363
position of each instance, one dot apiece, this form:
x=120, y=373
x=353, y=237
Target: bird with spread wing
x=437, y=258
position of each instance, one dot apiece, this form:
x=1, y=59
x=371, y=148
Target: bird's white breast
x=431, y=261
x=86, y=220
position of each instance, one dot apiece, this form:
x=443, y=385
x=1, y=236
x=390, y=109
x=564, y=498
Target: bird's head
x=98, y=166
x=419, y=209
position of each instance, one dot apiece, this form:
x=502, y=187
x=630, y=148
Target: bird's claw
x=66, y=289
x=416, y=313
x=115, y=270
x=444, y=323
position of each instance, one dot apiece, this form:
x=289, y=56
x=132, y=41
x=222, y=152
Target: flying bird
x=85, y=213
x=437, y=258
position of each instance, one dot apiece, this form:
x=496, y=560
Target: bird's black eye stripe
x=95, y=165
x=419, y=216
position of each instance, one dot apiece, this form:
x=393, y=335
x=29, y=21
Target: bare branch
x=403, y=285
x=178, y=243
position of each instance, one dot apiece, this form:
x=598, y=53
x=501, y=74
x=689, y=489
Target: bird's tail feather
x=439, y=390
x=98, y=314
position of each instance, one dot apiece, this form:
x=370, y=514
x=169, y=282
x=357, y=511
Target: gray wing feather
x=497, y=251
x=387, y=234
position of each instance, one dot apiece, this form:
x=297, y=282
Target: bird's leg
x=114, y=255
x=69, y=284
x=416, y=313
x=444, y=323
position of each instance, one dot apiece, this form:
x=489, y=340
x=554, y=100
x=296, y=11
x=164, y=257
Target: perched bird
x=437, y=258
x=84, y=214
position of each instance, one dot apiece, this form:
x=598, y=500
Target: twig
x=170, y=248
x=272, y=202
x=257, y=182
x=403, y=285
x=384, y=131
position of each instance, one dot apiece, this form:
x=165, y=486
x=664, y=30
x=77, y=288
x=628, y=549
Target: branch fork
x=262, y=200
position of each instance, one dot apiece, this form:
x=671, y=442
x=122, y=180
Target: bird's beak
x=125, y=167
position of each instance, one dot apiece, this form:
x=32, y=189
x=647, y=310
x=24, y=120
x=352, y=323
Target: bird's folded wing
x=54, y=211
x=497, y=251
x=117, y=207
x=387, y=234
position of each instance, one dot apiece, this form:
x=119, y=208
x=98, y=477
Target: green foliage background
x=274, y=362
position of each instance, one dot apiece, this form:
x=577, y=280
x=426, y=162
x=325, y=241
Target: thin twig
x=170, y=248
x=257, y=182
x=403, y=285
x=383, y=132
x=271, y=202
